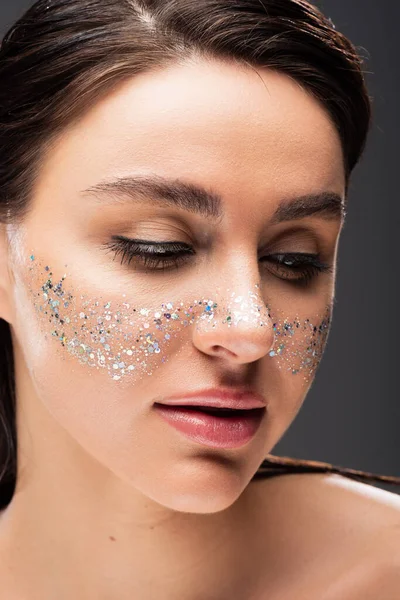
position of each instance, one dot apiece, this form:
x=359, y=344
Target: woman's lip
x=200, y=407
x=217, y=398
x=213, y=430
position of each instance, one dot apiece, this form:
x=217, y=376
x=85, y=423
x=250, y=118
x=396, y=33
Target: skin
x=101, y=475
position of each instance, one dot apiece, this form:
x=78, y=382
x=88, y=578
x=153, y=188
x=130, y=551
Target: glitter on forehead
x=134, y=340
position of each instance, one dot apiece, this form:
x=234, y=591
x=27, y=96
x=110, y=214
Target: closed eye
x=296, y=267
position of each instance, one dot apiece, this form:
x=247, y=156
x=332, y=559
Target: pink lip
x=213, y=430
x=217, y=398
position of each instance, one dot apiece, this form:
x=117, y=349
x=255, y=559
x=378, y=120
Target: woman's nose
x=236, y=327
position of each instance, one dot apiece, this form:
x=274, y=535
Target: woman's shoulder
x=334, y=532
x=333, y=504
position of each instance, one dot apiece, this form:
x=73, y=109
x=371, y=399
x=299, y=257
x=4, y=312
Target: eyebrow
x=156, y=189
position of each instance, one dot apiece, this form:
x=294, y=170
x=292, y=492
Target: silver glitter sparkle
x=126, y=340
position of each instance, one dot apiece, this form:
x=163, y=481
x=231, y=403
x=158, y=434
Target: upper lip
x=218, y=398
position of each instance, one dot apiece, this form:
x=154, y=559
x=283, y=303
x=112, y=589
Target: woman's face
x=217, y=171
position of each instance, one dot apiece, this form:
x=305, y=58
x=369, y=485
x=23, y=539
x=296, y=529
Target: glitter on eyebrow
x=298, y=344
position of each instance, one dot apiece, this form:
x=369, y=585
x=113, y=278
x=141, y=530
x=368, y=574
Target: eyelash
x=173, y=254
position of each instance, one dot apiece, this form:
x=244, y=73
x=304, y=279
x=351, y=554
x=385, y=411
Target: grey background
x=351, y=416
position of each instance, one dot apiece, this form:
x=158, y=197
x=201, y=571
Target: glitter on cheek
x=299, y=344
x=132, y=341
x=98, y=333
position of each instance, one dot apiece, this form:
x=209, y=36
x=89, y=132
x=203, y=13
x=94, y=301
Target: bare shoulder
x=338, y=537
x=331, y=499
x=355, y=513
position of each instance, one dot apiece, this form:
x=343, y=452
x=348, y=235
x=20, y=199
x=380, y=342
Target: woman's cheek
x=126, y=341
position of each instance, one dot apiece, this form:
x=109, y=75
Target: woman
x=173, y=187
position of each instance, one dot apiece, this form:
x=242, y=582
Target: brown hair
x=62, y=56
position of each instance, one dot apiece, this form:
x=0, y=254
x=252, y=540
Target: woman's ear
x=6, y=304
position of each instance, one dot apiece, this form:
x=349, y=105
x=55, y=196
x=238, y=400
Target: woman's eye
x=299, y=268
x=157, y=256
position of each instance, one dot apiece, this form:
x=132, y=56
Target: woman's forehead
x=207, y=121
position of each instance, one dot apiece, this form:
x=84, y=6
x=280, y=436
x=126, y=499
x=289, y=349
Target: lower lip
x=211, y=430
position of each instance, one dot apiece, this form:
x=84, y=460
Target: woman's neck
x=65, y=538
